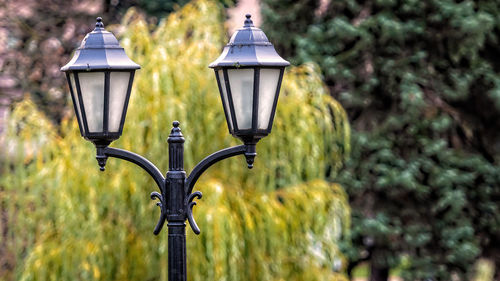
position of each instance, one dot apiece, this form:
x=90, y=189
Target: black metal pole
x=176, y=213
x=176, y=199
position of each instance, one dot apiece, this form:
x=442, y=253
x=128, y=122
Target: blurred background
x=383, y=163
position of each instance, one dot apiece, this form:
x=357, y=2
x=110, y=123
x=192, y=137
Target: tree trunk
x=496, y=270
x=379, y=270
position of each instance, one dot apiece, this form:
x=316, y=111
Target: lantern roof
x=249, y=46
x=100, y=50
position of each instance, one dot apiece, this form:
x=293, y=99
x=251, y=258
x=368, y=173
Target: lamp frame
x=254, y=133
x=105, y=136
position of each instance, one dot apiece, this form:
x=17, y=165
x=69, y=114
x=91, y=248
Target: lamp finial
x=99, y=23
x=175, y=133
x=248, y=21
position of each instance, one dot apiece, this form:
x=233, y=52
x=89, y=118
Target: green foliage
x=161, y=8
x=450, y=214
x=283, y=18
x=420, y=80
x=64, y=220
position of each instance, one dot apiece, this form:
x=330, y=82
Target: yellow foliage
x=67, y=221
x=288, y=234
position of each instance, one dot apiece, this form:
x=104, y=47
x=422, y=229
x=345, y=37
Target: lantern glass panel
x=222, y=82
x=117, y=95
x=241, y=83
x=76, y=100
x=92, y=87
x=267, y=92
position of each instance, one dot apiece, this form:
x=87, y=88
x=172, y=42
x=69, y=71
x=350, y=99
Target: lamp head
x=249, y=73
x=100, y=77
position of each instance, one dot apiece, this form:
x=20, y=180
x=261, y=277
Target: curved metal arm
x=190, y=203
x=139, y=161
x=103, y=152
x=209, y=161
x=163, y=215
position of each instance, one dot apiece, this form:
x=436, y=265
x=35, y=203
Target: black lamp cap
x=100, y=50
x=249, y=47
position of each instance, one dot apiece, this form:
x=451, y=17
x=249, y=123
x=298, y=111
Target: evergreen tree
x=420, y=81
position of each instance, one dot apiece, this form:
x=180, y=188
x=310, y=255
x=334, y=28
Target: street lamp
x=248, y=73
x=100, y=77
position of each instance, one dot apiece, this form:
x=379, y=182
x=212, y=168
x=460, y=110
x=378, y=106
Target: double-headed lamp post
x=248, y=73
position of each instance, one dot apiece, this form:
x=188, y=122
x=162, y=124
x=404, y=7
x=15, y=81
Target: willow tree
x=64, y=220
